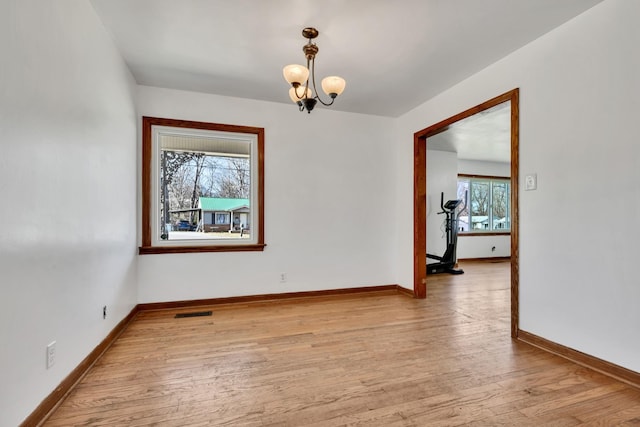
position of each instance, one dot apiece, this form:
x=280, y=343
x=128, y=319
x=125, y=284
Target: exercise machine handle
x=442, y=203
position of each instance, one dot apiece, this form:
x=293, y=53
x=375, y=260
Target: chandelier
x=298, y=76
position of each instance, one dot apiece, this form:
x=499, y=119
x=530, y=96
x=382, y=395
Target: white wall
x=441, y=177
x=470, y=247
x=329, y=214
x=578, y=275
x=481, y=246
x=67, y=185
x=476, y=167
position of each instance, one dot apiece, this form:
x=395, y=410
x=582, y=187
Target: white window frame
x=491, y=180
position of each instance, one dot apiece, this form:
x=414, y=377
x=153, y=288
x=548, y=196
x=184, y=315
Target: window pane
x=479, y=198
x=463, y=214
x=500, y=206
x=195, y=185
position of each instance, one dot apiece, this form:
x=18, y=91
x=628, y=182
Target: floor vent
x=193, y=314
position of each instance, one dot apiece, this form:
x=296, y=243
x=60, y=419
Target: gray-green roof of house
x=222, y=204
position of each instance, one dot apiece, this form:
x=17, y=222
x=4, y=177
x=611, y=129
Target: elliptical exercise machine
x=447, y=261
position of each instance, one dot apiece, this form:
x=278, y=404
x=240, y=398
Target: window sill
x=152, y=250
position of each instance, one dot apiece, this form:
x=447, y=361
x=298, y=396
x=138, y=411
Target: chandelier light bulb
x=295, y=74
x=297, y=94
x=333, y=85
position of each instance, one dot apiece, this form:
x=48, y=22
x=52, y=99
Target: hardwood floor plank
x=375, y=359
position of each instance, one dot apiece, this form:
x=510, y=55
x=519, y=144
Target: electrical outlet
x=104, y=312
x=51, y=354
x=283, y=277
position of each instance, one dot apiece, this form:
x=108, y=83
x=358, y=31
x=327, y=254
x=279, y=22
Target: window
x=202, y=187
x=222, y=218
x=487, y=208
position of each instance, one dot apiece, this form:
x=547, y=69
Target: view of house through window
x=487, y=207
x=205, y=191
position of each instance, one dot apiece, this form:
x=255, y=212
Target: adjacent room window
x=202, y=187
x=488, y=204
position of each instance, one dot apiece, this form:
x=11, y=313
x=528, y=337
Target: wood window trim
x=147, y=146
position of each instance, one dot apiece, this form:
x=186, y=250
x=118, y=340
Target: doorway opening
x=420, y=196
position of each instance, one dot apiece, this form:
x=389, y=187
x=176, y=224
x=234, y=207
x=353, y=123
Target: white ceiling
x=394, y=55
x=485, y=136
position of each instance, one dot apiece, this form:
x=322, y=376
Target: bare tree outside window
x=463, y=214
x=479, y=204
x=187, y=176
x=233, y=179
x=178, y=183
x=500, y=204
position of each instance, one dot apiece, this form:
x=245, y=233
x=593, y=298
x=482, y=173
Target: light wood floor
x=370, y=360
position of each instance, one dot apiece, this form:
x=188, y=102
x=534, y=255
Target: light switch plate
x=51, y=354
x=530, y=181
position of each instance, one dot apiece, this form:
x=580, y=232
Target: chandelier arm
x=313, y=79
x=324, y=103
x=295, y=90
